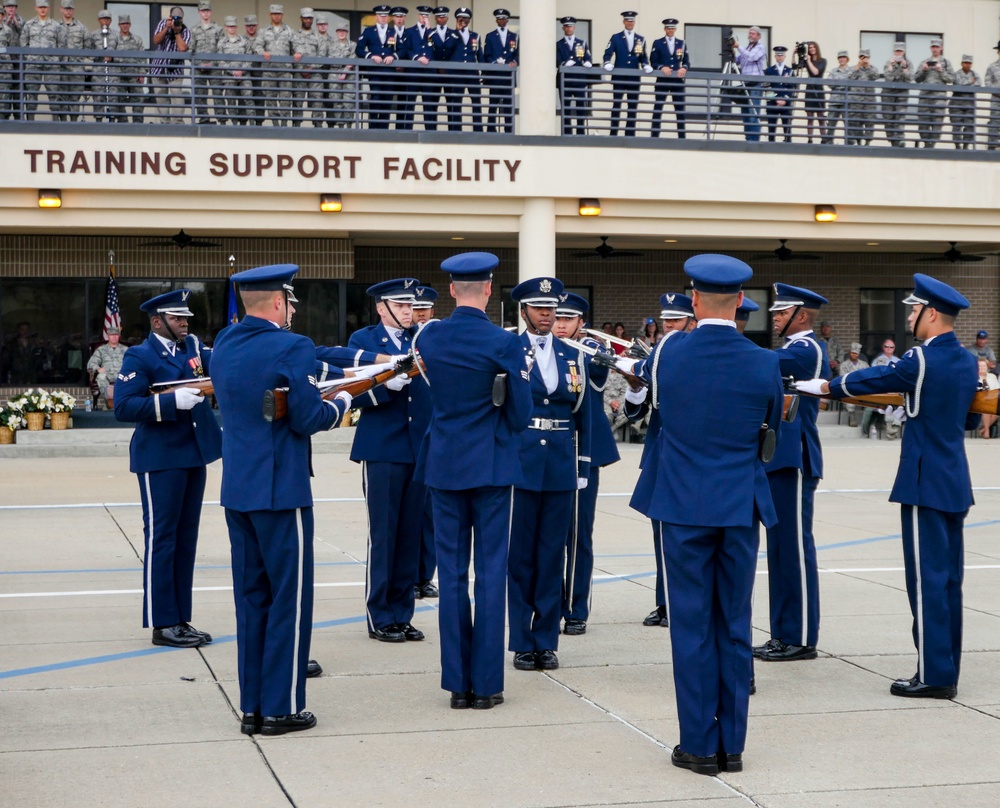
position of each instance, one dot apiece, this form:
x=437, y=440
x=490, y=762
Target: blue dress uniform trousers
x=791, y=559
x=394, y=537
x=427, y=557
x=461, y=83
x=381, y=78
x=171, y=512
x=575, y=89
x=435, y=48
x=934, y=558
x=272, y=554
x=710, y=571
x=472, y=523
x=580, y=551
x=501, y=85
x=660, y=56
x=625, y=87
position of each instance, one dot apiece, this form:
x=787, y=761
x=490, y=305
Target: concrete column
x=537, y=239
x=536, y=76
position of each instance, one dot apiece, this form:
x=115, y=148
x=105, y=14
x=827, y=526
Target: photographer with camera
x=894, y=101
x=815, y=100
x=168, y=75
x=935, y=69
x=751, y=61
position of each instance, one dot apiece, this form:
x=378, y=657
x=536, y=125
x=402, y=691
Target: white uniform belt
x=549, y=424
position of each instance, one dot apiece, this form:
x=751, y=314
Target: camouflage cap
x=306, y=12
x=68, y=4
x=855, y=347
x=114, y=330
x=899, y=46
x=275, y=8
x=227, y=21
x=864, y=52
x=937, y=43
x=104, y=14
x=250, y=19
x=204, y=5
x=322, y=19
x=124, y=19
x=41, y=3
x=843, y=55
x=967, y=58
x=343, y=26
x=10, y=3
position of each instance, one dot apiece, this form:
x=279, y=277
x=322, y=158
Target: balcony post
x=537, y=72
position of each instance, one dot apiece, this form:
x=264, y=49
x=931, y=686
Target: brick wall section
x=629, y=289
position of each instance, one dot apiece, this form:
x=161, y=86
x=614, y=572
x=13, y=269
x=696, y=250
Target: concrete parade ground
x=94, y=715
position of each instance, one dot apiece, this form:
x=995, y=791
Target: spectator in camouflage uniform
x=992, y=79
x=254, y=113
x=935, y=69
x=72, y=35
x=837, y=105
x=614, y=400
x=128, y=74
x=341, y=96
x=205, y=37
x=308, y=83
x=106, y=363
x=277, y=39
x=894, y=100
x=40, y=31
x=8, y=79
x=325, y=47
x=102, y=73
x=234, y=81
x=853, y=361
x=861, y=114
x=962, y=107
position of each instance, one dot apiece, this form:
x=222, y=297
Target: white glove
x=344, y=397
x=588, y=64
x=608, y=66
x=813, y=387
x=647, y=69
x=626, y=365
x=636, y=396
x=397, y=383
x=397, y=358
x=569, y=62
x=187, y=399
x=581, y=483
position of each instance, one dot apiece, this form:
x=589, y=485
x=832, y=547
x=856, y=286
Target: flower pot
x=7, y=436
x=59, y=420
x=36, y=421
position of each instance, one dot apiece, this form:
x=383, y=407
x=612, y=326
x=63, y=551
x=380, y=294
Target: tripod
x=731, y=90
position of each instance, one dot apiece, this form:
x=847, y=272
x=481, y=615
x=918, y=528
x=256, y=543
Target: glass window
x=42, y=323
x=880, y=43
x=336, y=17
x=706, y=44
x=317, y=314
x=883, y=315
x=140, y=14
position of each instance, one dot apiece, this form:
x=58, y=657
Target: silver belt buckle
x=546, y=424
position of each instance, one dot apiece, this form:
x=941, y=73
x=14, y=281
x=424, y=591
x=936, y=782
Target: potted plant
x=11, y=420
x=35, y=403
x=62, y=405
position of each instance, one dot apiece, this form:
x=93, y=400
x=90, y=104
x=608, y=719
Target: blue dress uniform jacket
x=802, y=358
x=494, y=49
x=457, y=50
x=469, y=462
x=579, y=53
x=464, y=83
x=370, y=44
x=659, y=57
x=934, y=488
x=576, y=89
x=382, y=77
x=418, y=42
x=625, y=87
x=387, y=442
x=267, y=495
x=169, y=451
x=709, y=512
x=622, y=56
x=501, y=84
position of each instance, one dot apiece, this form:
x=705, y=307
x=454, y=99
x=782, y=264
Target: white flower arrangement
x=34, y=400
x=62, y=401
x=11, y=416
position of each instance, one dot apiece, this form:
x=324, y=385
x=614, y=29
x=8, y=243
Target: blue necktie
x=541, y=344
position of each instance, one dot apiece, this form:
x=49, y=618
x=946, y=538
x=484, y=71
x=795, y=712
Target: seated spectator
x=614, y=400
x=104, y=366
x=984, y=351
x=853, y=361
x=650, y=333
x=833, y=350
x=987, y=381
x=888, y=355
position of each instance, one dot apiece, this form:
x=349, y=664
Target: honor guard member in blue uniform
x=709, y=507
x=501, y=48
x=603, y=452
x=421, y=81
x=176, y=437
x=464, y=47
x=406, y=50
x=555, y=458
x=626, y=50
x=779, y=104
x=267, y=495
x=572, y=51
x=669, y=59
x=933, y=486
x=469, y=462
x=423, y=311
x=794, y=474
x=743, y=312
x=438, y=39
x=393, y=423
x=677, y=315
x=377, y=44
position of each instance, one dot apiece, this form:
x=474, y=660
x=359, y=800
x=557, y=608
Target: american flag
x=112, y=318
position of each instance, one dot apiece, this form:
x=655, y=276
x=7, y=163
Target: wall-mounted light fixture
x=825, y=213
x=50, y=198
x=331, y=203
x=590, y=207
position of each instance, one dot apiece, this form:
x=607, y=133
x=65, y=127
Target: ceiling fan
x=953, y=255
x=181, y=240
x=605, y=251
x=785, y=253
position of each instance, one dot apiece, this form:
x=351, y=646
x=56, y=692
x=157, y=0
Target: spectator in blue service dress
x=572, y=51
x=669, y=57
x=501, y=49
x=555, y=459
x=464, y=46
x=393, y=423
x=478, y=383
x=176, y=437
x=626, y=50
x=933, y=485
x=267, y=494
x=710, y=507
x=377, y=44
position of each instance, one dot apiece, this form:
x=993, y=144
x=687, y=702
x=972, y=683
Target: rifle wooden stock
x=790, y=408
x=276, y=401
x=202, y=385
x=985, y=402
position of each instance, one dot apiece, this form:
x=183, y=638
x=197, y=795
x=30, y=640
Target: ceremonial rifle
x=985, y=402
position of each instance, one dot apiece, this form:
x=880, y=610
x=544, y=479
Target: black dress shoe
x=753, y=685
x=524, y=660
x=410, y=632
x=313, y=669
x=251, y=723
x=177, y=637
x=388, y=633
x=191, y=629
x=915, y=689
x=460, y=701
x=486, y=702
x=426, y=589
x=657, y=617
x=283, y=724
x=760, y=649
x=783, y=652
x=699, y=765
x=575, y=627
x=546, y=660
x=729, y=763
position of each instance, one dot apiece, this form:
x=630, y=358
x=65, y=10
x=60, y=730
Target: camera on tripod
x=800, y=52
